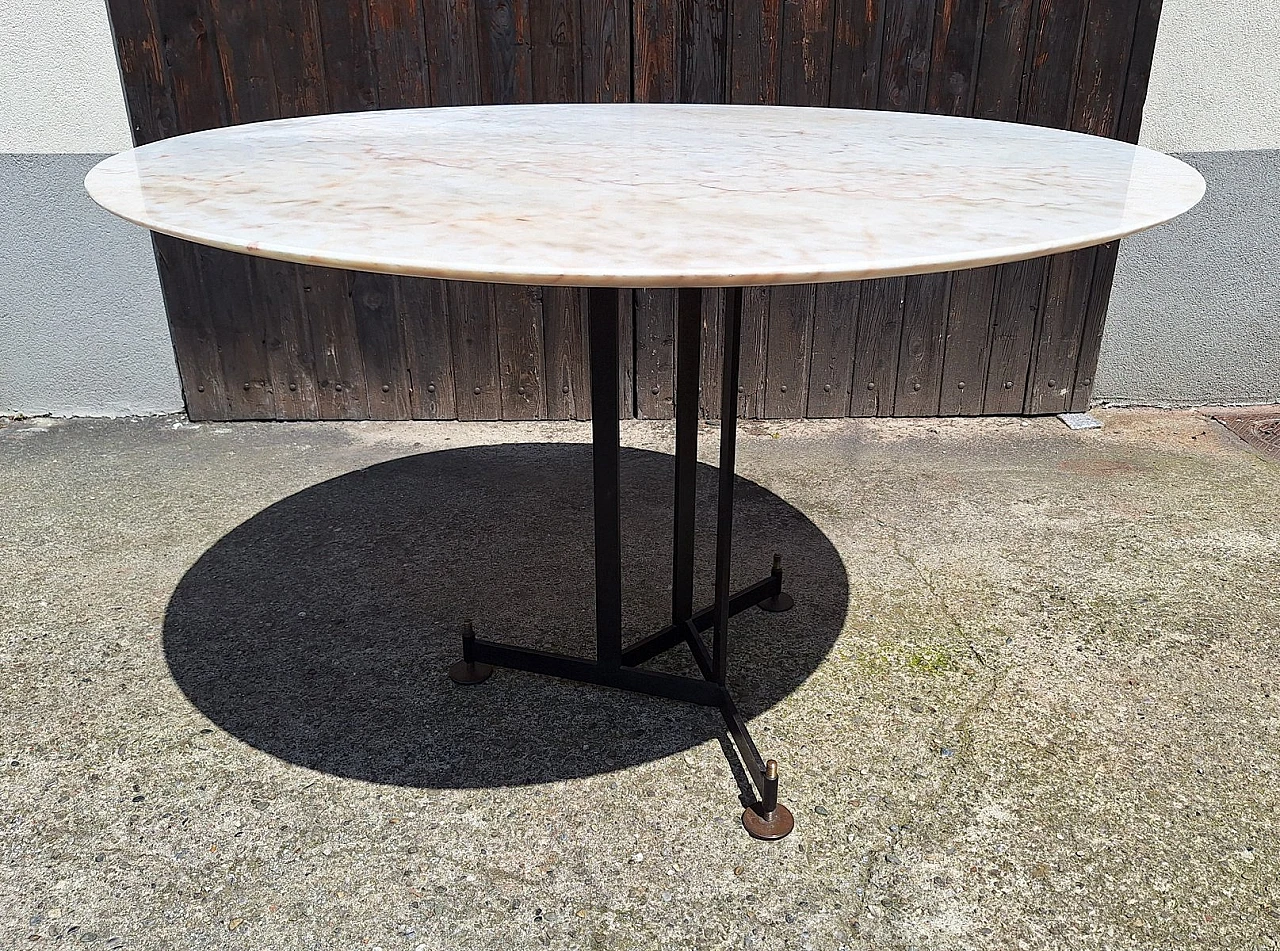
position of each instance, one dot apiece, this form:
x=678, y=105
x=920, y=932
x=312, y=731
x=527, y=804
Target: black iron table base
x=614, y=665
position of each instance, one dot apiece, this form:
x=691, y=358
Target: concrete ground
x=1028, y=696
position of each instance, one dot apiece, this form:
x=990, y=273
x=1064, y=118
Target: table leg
x=688, y=358
x=602, y=329
x=613, y=666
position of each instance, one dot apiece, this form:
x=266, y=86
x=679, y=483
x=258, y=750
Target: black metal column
x=728, y=452
x=688, y=360
x=612, y=666
x=602, y=324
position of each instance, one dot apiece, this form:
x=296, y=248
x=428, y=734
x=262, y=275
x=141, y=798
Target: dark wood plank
x=568, y=384
x=228, y=285
x=350, y=82
x=804, y=79
x=1108, y=37
x=997, y=92
x=1019, y=289
x=252, y=52
x=474, y=334
x=857, y=33
x=805, y=56
x=425, y=318
x=920, y=354
x=903, y=84
x=606, y=77
x=1057, y=338
x=382, y=345
x=453, y=69
x=712, y=357
x=926, y=328
x=297, y=69
x=790, y=334
x=270, y=342
x=518, y=312
x=755, y=59
x=755, y=51
x=835, y=329
x=137, y=37
x=1048, y=88
x=395, y=35
x=515, y=53
x=557, y=74
x=606, y=51
x=505, y=50
x=1057, y=32
x=653, y=43
x=655, y=355
x=626, y=356
x=271, y=68
x=967, y=351
x=655, y=79
x=194, y=85
x=191, y=326
x=401, y=77
x=1091, y=332
x=957, y=45
x=452, y=52
x=219, y=75
x=752, y=379
x=335, y=344
x=879, y=335
x=702, y=50
x=905, y=55
x=290, y=360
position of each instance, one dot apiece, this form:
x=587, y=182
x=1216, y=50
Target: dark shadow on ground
x=320, y=630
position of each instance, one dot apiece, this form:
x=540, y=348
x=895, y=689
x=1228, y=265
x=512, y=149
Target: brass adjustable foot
x=768, y=819
x=770, y=826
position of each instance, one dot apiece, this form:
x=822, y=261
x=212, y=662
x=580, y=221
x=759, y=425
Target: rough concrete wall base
x=1195, y=313
x=82, y=323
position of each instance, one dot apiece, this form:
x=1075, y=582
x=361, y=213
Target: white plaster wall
x=59, y=86
x=1215, y=82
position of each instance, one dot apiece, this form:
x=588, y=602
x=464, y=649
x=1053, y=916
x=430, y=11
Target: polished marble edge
x=109, y=185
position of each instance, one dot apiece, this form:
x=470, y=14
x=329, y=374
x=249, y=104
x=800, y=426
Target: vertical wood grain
x=656, y=79
x=754, y=65
x=905, y=47
x=1022, y=289
x=317, y=342
x=997, y=94
x=857, y=33
x=930, y=300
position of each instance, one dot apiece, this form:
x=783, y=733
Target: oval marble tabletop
x=644, y=195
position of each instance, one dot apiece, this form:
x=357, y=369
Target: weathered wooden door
x=257, y=339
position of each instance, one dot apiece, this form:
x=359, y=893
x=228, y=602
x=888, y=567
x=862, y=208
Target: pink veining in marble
x=644, y=195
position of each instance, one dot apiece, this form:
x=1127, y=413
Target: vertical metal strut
x=602, y=321
x=688, y=360
x=724, y=509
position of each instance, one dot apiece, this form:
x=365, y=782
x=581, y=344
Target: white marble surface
x=644, y=195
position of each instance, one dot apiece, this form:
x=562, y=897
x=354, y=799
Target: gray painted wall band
x=82, y=325
x=1195, y=312
x=1194, y=318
